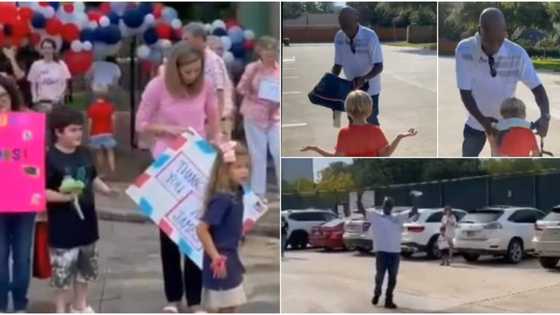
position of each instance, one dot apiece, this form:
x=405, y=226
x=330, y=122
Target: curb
x=114, y=215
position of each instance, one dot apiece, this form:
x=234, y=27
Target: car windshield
x=554, y=215
x=482, y=216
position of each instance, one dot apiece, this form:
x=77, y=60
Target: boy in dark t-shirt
x=73, y=228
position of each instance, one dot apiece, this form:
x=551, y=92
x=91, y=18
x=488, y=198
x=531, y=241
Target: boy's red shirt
x=361, y=141
x=518, y=141
x=101, y=113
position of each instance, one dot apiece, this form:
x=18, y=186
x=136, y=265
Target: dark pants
x=374, y=118
x=16, y=238
x=386, y=262
x=473, y=141
x=176, y=281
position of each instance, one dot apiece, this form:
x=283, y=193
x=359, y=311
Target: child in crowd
x=101, y=114
x=443, y=246
x=514, y=137
x=221, y=229
x=361, y=139
x=73, y=227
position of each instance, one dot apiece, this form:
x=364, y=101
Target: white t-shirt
x=368, y=52
x=50, y=78
x=512, y=64
x=387, y=230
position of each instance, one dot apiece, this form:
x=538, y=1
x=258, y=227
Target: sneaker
x=390, y=305
x=375, y=300
x=196, y=309
x=87, y=310
x=170, y=308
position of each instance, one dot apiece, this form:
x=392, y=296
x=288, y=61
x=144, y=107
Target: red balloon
x=78, y=62
x=105, y=8
x=44, y=4
x=35, y=39
x=26, y=13
x=21, y=28
x=231, y=22
x=249, y=45
x=94, y=15
x=164, y=31
x=70, y=32
x=8, y=13
x=54, y=26
x=68, y=7
x=158, y=7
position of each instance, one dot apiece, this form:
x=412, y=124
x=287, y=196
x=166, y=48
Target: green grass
x=550, y=64
x=82, y=99
x=431, y=46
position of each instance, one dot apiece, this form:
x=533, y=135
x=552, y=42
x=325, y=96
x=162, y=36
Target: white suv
x=421, y=234
x=499, y=231
x=300, y=223
x=547, y=238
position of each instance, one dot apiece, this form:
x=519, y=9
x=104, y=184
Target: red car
x=328, y=235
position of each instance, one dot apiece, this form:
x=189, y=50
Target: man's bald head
x=348, y=19
x=492, y=28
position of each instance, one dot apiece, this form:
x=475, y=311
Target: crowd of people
x=193, y=89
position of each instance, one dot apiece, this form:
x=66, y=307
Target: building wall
x=325, y=34
x=262, y=17
x=294, y=169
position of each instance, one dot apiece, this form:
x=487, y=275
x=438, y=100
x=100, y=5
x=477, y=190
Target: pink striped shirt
x=158, y=106
x=263, y=112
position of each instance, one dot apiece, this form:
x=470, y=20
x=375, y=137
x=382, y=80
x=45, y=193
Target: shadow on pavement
x=418, y=51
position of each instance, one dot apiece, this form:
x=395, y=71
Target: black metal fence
x=541, y=191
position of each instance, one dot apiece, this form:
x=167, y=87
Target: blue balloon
x=150, y=36
x=145, y=8
x=55, y=5
x=133, y=18
x=237, y=37
x=118, y=7
x=219, y=32
x=238, y=50
x=38, y=20
x=114, y=18
x=110, y=34
x=87, y=34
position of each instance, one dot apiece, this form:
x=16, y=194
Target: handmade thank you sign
x=172, y=191
x=22, y=162
x=269, y=90
x=253, y=209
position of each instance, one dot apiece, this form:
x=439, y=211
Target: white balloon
x=219, y=24
x=87, y=46
x=228, y=57
x=143, y=51
x=76, y=46
x=249, y=34
x=48, y=12
x=149, y=19
x=92, y=24
x=104, y=21
x=164, y=43
x=79, y=7
x=208, y=27
x=226, y=41
x=176, y=24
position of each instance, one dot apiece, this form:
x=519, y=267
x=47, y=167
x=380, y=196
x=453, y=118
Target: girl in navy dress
x=220, y=231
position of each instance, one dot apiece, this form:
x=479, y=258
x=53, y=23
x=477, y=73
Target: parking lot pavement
x=342, y=282
x=452, y=113
x=407, y=100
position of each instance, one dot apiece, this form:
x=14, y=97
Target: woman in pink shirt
x=172, y=102
x=261, y=111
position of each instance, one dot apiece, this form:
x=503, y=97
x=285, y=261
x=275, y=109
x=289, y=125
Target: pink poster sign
x=22, y=162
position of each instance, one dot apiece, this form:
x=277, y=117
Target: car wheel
x=514, y=253
x=363, y=251
x=297, y=239
x=302, y=240
x=549, y=262
x=406, y=254
x=471, y=257
x=433, y=249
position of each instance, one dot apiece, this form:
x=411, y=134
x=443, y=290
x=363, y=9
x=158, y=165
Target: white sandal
x=171, y=308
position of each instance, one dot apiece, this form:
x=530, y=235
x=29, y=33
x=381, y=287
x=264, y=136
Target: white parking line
x=291, y=77
x=291, y=93
x=289, y=59
x=294, y=125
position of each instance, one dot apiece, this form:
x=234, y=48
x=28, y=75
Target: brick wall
x=421, y=34
x=325, y=34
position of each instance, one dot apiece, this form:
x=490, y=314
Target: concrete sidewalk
x=131, y=281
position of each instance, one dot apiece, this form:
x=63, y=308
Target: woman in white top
x=48, y=77
x=449, y=223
